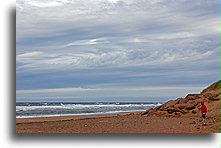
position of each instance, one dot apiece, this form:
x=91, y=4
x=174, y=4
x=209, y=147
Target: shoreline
x=73, y=117
x=80, y=115
x=85, y=114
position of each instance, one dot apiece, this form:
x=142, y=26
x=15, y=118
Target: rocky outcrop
x=212, y=95
x=188, y=105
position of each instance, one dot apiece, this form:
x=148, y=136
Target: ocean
x=45, y=109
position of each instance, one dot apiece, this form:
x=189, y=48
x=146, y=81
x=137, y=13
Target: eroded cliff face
x=191, y=104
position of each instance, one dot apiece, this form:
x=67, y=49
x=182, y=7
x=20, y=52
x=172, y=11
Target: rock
x=170, y=111
x=176, y=109
x=192, y=102
x=191, y=105
x=177, y=113
x=198, y=101
x=182, y=100
x=194, y=111
x=183, y=111
x=162, y=113
x=209, y=96
x=151, y=110
x=170, y=103
x=158, y=107
x=170, y=108
x=192, y=96
x=144, y=113
x=214, y=98
x=180, y=106
x=174, y=114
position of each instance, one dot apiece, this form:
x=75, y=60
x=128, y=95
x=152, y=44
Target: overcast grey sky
x=115, y=48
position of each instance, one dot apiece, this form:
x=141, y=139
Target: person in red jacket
x=203, y=110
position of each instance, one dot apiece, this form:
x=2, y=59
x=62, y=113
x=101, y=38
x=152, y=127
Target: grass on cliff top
x=214, y=86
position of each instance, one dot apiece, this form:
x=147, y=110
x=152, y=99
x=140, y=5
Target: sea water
x=44, y=109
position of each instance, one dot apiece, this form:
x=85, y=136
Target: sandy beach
x=116, y=123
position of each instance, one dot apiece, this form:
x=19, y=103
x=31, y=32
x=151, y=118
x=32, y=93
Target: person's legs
x=204, y=117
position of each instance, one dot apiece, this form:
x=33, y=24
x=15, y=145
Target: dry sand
x=117, y=123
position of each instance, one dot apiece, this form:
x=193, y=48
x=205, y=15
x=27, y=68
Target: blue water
x=43, y=109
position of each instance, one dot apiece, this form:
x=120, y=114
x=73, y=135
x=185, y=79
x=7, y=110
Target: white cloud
x=122, y=34
x=29, y=54
x=113, y=58
x=109, y=92
x=113, y=1
x=176, y=35
x=43, y=4
x=87, y=42
x=54, y=90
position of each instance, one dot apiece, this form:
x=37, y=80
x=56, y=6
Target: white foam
x=48, y=109
x=80, y=106
x=98, y=113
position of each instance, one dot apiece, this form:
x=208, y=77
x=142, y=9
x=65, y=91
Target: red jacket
x=203, y=109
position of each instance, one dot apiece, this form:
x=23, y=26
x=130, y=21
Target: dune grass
x=214, y=86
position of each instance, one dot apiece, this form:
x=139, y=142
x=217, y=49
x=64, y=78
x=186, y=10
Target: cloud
x=74, y=93
x=44, y=4
x=30, y=54
x=114, y=58
x=87, y=42
x=116, y=42
x=54, y=90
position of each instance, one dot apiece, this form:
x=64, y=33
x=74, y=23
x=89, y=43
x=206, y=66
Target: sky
x=89, y=50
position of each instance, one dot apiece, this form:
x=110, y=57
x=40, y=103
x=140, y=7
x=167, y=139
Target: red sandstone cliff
x=190, y=105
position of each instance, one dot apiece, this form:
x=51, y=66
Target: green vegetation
x=220, y=76
x=214, y=86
